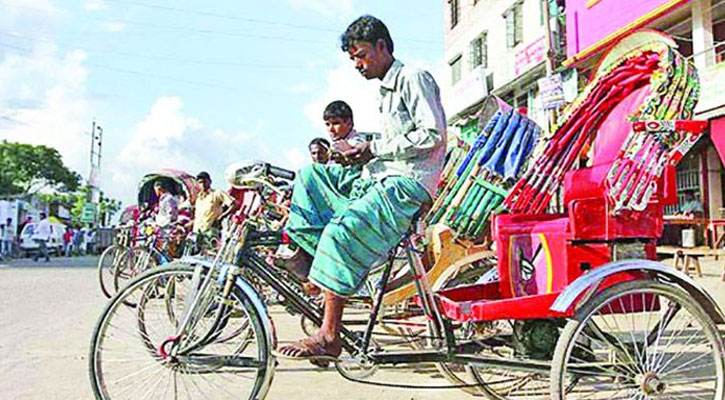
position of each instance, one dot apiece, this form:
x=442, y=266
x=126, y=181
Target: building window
x=479, y=51
x=454, y=12
x=514, y=25
x=455, y=69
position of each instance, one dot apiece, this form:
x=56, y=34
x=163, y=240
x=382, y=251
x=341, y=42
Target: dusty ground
x=47, y=312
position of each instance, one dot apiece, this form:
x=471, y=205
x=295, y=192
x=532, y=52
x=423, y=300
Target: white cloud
x=345, y=83
x=43, y=101
x=294, y=158
x=95, y=5
x=115, y=26
x=168, y=138
x=44, y=6
x=341, y=8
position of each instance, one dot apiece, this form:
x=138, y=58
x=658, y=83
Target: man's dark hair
x=322, y=142
x=366, y=29
x=42, y=216
x=161, y=185
x=203, y=175
x=337, y=109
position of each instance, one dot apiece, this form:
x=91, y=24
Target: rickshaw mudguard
x=260, y=308
x=590, y=282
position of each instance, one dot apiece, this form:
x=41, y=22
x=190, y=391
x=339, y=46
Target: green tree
x=25, y=169
x=74, y=202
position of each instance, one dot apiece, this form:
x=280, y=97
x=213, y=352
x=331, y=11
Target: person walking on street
x=41, y=235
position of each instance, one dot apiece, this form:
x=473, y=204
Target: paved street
x=48, y=311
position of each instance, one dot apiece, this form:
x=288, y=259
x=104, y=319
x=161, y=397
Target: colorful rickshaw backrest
x=613, y=209
x=180, y=182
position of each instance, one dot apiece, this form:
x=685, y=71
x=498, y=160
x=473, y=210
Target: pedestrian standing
x=8, y=238
x=90, y=239
x=78, y=241
x=41, y=235
x=2, y=244
x=68, y=241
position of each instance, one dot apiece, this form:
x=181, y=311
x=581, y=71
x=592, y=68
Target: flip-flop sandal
x=312, y=352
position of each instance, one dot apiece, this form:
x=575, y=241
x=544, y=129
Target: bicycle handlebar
x=278, y=172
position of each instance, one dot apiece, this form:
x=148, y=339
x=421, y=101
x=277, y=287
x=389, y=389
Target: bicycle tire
x=595, y=337
x=123, y=367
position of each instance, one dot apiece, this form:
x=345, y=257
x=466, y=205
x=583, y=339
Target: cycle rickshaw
x=580, y=308
x=133, y=250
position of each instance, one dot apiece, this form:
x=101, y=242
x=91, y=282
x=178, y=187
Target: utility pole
x=550, y=61
x=94, y=176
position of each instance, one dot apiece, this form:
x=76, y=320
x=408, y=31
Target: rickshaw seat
x=589, y=209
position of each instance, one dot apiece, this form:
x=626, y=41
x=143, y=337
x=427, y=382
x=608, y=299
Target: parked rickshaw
x=138, y=244
x=580, y=308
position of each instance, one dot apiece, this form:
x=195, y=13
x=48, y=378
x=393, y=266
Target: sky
x=189, y=84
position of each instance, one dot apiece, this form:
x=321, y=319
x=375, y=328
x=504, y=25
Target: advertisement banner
x=533, y=54
x=712, y=88
x=551, y=90
x=593, y=24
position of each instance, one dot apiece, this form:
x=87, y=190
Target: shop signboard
x=88, y=214
x=593, y=24
x=712, y=88
x=551, y=91
x=531, y=55
x=469, y=90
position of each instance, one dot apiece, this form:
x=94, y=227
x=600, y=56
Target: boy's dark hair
x=366, y=29
x=337, y=109
x=203, y=175
x=322, y=142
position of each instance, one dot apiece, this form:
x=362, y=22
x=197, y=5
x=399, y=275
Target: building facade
x=497, y=47
x=698, y=28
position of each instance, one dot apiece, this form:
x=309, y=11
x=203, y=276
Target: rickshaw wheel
x=504, y=383
x=639, y=339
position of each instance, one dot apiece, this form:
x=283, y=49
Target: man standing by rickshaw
x=339, y=233
x=210, y=208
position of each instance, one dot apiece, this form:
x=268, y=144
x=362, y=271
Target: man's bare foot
x=311, y=289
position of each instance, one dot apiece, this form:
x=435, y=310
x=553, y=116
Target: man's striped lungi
x=347, y=223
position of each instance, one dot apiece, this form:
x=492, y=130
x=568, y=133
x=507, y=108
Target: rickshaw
x=127, y=257
x=580, y=308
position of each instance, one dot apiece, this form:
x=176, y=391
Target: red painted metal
x=540, y=255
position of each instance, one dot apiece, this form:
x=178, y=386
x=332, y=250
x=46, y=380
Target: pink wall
x=586, y=26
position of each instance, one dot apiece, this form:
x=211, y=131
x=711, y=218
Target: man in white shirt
x=41, y=235
x=168, y=210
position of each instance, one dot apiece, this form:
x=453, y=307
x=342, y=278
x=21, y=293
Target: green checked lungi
x=349, y=223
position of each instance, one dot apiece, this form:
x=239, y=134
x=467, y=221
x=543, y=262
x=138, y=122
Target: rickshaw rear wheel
x=639, y=339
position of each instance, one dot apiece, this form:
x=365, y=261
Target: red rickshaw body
x=541, y=255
